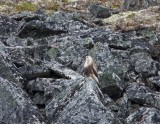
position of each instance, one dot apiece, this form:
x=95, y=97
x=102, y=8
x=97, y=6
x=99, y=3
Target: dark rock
x=124, y=109
x=82, y=107
x=28, y=16
x=143, y=95
x=16, y=107
x=100, y=11
x=38, y=84
x=144, y=116
x=32, y=72
x=8, y=71
x=144, y=64
x=155, y=82
x=8, y=26
x=38, y=29
x=59, y=17
x=29, y=55
x=39, y=98
x=112, y=71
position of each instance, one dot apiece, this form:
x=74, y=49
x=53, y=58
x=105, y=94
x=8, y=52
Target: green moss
x=53, y=53
x=107, y=78
x=93, y=52
x=25, y=6
x=131, y=15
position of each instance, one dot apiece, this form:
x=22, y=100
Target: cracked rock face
x=41, y=79
x=144, y=116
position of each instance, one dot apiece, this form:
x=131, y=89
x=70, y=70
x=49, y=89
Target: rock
x=8, y=26
x=9, y=71
x=59, y=17
x=38, y=29
x=28, y=55
x=100, y=11
x=134, y=5
x=123, y=108
x=28, y=16
x=39, y=98
x=16, y=107
x=82, y=106
x=32, y=72
x=143, y=95
x=16, y=41
x=39, y=84
x=59, y=70
x=155, y=82
x=112, y=76
x=144, y=64
x=144, y=116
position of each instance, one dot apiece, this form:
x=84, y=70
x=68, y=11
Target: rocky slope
x=41, y=62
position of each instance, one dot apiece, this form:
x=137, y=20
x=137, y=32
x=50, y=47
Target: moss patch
x=25, y=6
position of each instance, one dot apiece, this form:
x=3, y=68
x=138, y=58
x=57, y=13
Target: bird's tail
x=95, y=78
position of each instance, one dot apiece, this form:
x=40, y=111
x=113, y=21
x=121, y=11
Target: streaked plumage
x=90, y=68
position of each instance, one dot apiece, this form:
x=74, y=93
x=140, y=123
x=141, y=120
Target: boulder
x=144, y=116
x=100, y=11
x=143, y=95
x=16, y=106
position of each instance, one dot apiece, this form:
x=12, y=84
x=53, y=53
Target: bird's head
x=89, y=59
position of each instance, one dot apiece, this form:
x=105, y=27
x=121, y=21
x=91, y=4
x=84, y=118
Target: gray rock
x=37, y=29
x=155, y=82
x=100, y=11
x=15, y=105
x=39, y=84
x=32, y=72
x=8, y=70
x=39, y=98
x=73, y=108
x=144, y=116
x=144, y=64
x=28, y=55
x=143, y=95
x=28, y=16
x=8, y=26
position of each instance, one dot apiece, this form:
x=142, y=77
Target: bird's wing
x=95, y=70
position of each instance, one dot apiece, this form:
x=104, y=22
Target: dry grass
x=133, y=20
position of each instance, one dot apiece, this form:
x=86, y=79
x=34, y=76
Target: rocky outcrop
x=41, y=79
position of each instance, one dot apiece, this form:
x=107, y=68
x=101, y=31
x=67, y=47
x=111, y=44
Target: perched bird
x=90, y=68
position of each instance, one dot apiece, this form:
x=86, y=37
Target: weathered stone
x=144, y=116
x=8, y=71
x=16, y=41
x=59, y=70
x=39, y=98
x=15, y=106
x=32, y=72
x=143, y=95
x=38, y=84
x=8, y=26
x=155, y=82
x=28, y=55
x=144, y=64
x=100, y=11
x=28, y=16
x=82, y=107
x=37, y=29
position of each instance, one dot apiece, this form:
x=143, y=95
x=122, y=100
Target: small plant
x=25, y=6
